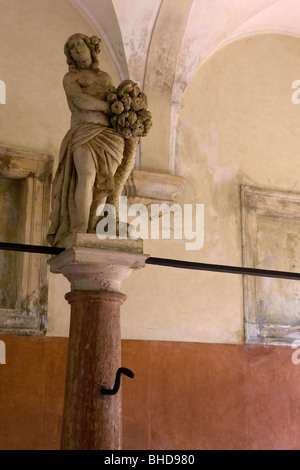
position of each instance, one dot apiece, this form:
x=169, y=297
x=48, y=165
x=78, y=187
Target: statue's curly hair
x=93, y=43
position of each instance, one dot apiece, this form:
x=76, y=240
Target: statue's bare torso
x=85, y=91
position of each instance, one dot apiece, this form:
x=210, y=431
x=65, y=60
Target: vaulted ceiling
x=180, y=35
x=160, y=44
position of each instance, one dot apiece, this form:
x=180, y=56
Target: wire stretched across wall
x=172, y=263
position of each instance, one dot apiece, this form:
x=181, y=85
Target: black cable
x=222, y=269
x=46, y=250
x=172, y=263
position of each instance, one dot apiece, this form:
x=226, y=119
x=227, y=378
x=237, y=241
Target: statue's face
x=79, y=50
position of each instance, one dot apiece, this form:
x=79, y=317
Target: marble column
x=91, y=420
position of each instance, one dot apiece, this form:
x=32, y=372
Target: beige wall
x=32, y=64
x=236, y=124
x=36, y=116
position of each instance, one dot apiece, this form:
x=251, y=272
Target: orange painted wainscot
x=185, y=396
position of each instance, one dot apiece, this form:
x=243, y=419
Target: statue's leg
x=86, y=174
x=101, y=198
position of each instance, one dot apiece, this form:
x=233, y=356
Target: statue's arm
x=80, y=100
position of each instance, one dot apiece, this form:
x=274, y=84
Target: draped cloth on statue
x=107, y=149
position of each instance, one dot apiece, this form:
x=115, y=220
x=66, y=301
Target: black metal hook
x=113, y=391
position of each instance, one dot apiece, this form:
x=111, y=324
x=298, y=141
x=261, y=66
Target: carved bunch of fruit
x=129, y=114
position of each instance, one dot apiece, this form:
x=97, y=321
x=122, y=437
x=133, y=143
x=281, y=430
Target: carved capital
x=95, y=269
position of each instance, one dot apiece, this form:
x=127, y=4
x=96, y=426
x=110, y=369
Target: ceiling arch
x=255, y=17
x=162, y=43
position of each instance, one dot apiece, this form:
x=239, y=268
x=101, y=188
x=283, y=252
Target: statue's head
x=82, y=50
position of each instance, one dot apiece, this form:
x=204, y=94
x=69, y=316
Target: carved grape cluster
x=128, y=105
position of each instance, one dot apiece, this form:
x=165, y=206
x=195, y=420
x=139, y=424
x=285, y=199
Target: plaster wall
x=237, y=125
x=32, y=64
x=184, y=396
x=36, y=115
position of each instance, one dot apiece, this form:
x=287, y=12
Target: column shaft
x=92, y=421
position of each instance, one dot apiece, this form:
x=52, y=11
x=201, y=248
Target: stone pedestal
x=92, y=421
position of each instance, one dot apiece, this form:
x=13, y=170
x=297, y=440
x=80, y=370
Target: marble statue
x=98, y=152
